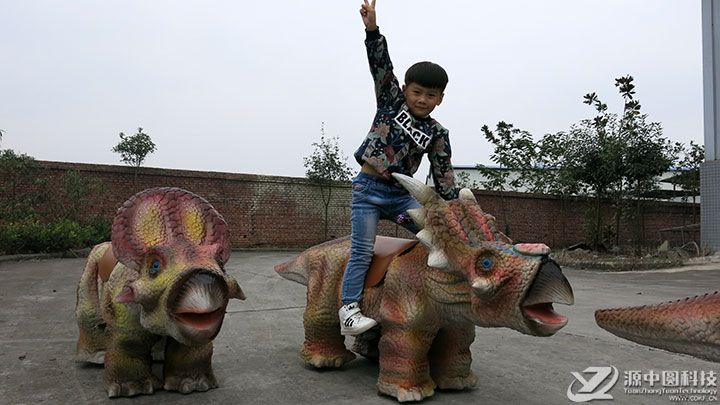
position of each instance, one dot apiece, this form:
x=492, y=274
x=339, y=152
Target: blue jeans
x=373, y=199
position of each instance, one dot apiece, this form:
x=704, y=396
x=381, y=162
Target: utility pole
x=710, y=169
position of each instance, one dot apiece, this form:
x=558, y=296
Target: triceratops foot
x=188, y=384
x=84, y=356
x=407, y=394
x=456, y=383
x=326, y=357
x=132, y=387
x=91, y=344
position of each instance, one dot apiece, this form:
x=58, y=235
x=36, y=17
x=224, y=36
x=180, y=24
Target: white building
x=470, y=176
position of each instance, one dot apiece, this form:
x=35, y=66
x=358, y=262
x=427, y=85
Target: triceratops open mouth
x=199, y=302
x=549, y=286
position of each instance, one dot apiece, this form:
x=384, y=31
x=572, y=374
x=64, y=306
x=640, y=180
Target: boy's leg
x=364, y=218
x=400, y=206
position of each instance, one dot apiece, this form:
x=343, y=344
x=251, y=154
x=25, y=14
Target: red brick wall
x=287, y=212
x=261, y=211
x=557, y=223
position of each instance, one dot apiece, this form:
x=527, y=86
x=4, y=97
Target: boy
x=402, y=131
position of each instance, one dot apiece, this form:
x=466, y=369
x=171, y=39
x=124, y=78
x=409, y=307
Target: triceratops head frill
x=177, y=244
x=448, y=226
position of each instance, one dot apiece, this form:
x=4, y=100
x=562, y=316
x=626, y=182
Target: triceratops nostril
x=550, y=285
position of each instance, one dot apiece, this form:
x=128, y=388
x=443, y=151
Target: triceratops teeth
x=200, y=294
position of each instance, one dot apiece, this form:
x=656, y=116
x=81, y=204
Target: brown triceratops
x=170, y=282
x=689, y=325
x=432, y=297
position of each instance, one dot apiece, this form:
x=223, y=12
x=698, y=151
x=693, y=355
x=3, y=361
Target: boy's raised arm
x=381, y=68
x=367, y=11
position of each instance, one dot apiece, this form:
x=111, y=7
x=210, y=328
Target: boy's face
x=421, y=100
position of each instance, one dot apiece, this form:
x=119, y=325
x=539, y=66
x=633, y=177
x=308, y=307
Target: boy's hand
x=367, y=11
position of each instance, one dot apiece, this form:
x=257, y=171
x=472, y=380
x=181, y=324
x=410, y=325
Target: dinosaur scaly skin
x=689, y=325
x=171, y=246
x=466, y=274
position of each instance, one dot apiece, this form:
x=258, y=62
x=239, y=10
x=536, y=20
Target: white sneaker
x=352, y=321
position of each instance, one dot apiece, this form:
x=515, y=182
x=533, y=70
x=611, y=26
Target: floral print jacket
x=397, y=140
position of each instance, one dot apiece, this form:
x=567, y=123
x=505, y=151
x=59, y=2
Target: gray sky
x=244, y=86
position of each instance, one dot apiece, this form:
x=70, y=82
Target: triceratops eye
x=486, y=263
x=155, y=266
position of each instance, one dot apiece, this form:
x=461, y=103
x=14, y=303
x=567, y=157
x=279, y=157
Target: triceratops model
x=689, y=325
x=170, y=282
x=432, y=296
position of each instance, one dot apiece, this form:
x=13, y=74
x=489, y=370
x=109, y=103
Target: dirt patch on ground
x=586, y=259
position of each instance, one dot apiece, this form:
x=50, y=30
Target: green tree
x=523, y=164
x=514, y=149
x=22, y=190
x=325, y=167
x=608, y=157
x=37, y=218
x=134, y=149
x=463, y=180
x=632, y=155
x=687, y=165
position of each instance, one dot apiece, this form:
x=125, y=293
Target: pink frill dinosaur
x=690, y=325
x=464, y=274
x=169, y=283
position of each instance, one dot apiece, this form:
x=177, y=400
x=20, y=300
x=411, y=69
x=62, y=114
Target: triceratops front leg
x=324, y=345
x=188, y=368
x=128, y=364
x=450, y=358
x=404, y=365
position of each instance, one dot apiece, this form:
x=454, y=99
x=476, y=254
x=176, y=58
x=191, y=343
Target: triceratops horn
x=481, y=286
x=418, y=216
x=466, y=194
x=438, y=259
x=425, y=236
x=416, y=188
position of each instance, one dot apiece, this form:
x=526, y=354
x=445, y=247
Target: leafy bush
x=35, y=217
x=30, y=235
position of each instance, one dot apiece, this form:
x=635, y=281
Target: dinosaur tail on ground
x=689, y=325
x=313, y=258
x=294, y=270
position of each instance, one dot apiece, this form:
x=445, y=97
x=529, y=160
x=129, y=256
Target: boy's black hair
x=427, y=74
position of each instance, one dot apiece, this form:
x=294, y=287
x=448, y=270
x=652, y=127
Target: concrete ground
x=257, y=357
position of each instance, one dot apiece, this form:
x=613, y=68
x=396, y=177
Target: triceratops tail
x=689, y=325
x=293, y=270
x=91, y=342
x=318, y=258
